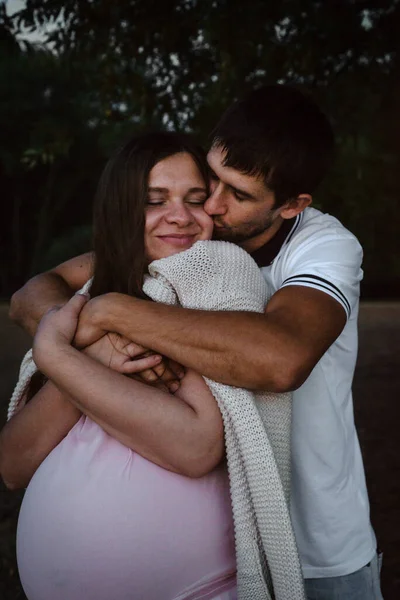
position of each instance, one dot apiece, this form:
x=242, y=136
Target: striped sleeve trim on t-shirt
x=320, y=283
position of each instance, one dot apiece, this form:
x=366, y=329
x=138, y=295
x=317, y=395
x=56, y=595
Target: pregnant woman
x=104, y=516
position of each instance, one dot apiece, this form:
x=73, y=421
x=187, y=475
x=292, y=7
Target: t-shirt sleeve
x=331, y=263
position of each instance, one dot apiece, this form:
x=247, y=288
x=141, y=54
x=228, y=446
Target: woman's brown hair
x=119, y=209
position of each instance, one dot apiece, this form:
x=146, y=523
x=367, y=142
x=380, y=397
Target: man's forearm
x=229, y=347
x=275, y=351
x=36, y=297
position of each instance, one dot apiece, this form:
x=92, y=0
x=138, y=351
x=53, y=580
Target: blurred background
x=78, y=77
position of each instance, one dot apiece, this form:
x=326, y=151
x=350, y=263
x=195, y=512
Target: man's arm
x=275, y=351
x=53, y=288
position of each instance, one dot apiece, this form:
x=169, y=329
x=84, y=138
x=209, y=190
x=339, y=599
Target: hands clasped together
x=74, y=325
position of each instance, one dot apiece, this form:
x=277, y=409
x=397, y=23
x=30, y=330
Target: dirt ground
x=377, y=412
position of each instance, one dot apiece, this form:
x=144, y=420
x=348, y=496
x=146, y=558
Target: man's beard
x=242, y=233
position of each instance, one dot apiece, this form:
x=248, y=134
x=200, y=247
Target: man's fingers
x=151, y=377
x=177, y=368
x=167, y=377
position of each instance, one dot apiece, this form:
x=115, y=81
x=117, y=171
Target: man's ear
x=295, y=206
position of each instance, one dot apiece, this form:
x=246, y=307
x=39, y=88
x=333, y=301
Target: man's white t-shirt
x=329, y=507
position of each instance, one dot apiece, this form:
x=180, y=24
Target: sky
x=13, y=6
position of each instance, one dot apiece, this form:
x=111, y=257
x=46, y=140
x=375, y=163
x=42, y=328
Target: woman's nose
x=180, y=214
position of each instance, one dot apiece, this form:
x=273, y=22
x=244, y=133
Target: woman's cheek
x=153, y=217
x=206, y=223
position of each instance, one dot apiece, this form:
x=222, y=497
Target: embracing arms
x=53, y=288
x=275, y=351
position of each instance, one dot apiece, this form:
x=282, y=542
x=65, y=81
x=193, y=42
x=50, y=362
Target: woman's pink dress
x=99, y=522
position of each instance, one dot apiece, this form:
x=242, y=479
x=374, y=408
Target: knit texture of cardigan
x=219, y=276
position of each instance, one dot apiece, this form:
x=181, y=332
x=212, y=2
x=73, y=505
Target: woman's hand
x=115, y=351
x=57, y=329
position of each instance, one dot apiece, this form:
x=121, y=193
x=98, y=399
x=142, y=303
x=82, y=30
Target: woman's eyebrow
x=197, y=189
x=159, y=189
x=166, y=190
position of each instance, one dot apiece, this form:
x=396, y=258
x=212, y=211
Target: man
x=269, y=153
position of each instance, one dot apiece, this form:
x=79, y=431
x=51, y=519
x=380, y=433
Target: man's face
x=241, y=206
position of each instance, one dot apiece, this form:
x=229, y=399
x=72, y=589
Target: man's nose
x=215, y=205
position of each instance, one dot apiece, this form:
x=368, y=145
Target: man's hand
x=139, y=362
x=89, y=330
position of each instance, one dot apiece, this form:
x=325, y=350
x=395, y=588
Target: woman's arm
x=32, y=433
x=182, y=432
x=29, y=437
x=183, y=435
x=55, y=288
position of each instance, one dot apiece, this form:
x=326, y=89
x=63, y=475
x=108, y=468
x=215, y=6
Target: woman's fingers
x=135, y=350
x=143, y=366
x=153, y=369
x=61, y=322
x=78, y=300
x=57, y=328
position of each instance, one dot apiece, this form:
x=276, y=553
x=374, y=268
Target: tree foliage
x=108, y=68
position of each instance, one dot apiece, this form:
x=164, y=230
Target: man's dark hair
x=280, y=134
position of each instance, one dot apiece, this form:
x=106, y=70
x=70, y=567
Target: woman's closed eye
x=156, y=197
x=155, y=201
x=198, y=197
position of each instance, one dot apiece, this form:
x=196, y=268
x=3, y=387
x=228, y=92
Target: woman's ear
x=295, y=206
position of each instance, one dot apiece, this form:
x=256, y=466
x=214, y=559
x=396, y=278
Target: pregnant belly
x=98, y=521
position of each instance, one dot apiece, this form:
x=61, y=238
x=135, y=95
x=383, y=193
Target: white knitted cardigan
x=221, y=276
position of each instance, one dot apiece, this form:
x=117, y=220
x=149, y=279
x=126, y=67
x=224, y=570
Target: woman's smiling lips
x=178, y=239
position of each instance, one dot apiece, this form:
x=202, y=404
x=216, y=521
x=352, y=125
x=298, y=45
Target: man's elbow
x=15, y=313
x=287, y=377
x=19, y=303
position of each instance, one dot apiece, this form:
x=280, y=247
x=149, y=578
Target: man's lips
x=218, y=226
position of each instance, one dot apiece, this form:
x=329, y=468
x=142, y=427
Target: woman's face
x=175, y=218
